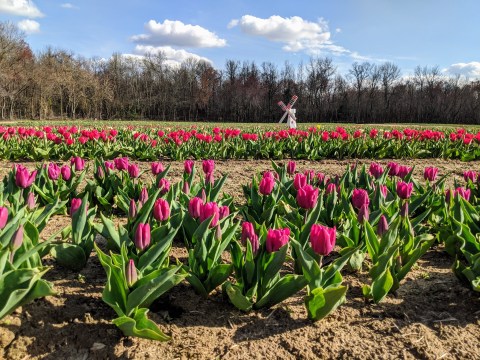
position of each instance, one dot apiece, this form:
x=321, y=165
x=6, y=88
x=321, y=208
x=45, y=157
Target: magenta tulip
x=248, y=233
x=430, y=173
x=188, y=166
x=23, y=178
x=76, y=203
x=66, y=172
x=376, y=170
x=121, y=163
x=157, y=168
x=360, y=198
x=210, y=210
x=53, y=171
x=299, y=181
x=31, y=201
x=161, y=210
x=276, y=239
x=363, y=214
x=164, y=185
x=382, y=226
x=78, y=163
x=322, y=239
x=307, y=197
x=142, y=236
x=194, y=207
x=143, y=198
x=470, y=175
x=133, y=170
x=132, y=210
x=3, y=216
x=266, y=185
x=332, y=187
x=465, y=193
x=393, y=168
x=404, y=190
x=208, y=167
x=223, y=211
x=291, y=165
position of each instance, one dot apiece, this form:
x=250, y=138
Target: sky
x=406, y=32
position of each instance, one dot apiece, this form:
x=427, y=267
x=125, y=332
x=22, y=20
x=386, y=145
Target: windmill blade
x=282, y=105
x=292, y=101
x=283, y=117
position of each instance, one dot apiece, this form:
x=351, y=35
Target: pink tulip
x=248, y=233
x=132, y=210
x=133, y=170
x=161, y=210
x=430, y=173
x=322, y=239
x=31, y=201
x=157, y=168
x=393, y=168
x=208, y=167
x=404, y=190
x=78, y=163
x=276, y=239
x=465, y=193
x=383, y=190
x=360, y=198
x=3, y=216
x=143, y=198
x=266, y=185
x=332, y=187
x=164, y=184
x=131, y=273
x=382, y=226
x=23, y=178
x=194, y=207
x=403, y=171
x=363, y=214
x=76, y=203
x=53, y=171
x=142, y=236
x=291, y=165
x=470, y=175
x=66, y=172
x=376, y=170
x=299, y=181
x=307, y=197
x=188, y=166
x=209, y=210
x=121, y=163
x=223, y=211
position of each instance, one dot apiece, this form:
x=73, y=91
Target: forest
x=59, y=84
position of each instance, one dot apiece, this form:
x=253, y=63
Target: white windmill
x=289, y=112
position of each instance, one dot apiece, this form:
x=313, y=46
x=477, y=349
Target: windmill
x=289, y=112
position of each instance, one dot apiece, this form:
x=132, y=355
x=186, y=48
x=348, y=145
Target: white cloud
x=173, y=56
x=469, y=70
x=29, y=26
x=68, y=6
x=338, y=30
x=176, y=33
x=296, y=33
x=20, y=8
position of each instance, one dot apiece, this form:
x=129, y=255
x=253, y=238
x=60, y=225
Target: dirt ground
x=432, y=316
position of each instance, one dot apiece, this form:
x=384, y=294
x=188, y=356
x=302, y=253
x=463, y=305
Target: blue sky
x=408, y=32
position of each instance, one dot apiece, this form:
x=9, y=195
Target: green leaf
x=283, y=289
x=381, y=286
x=140, y=326
x=236, y=297
x=322, y=302
x=217, y=276
x=70, y=256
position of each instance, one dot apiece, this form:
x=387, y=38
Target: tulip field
x=212, y=242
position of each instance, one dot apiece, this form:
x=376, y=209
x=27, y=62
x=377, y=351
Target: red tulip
x=322, y=239
x=161, y=210
x=276, y=239
x=307, y=197
x=404, y=190
x=142, y=236
x=360, y=198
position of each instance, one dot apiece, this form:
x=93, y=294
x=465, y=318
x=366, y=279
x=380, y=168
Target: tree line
x=59, y=84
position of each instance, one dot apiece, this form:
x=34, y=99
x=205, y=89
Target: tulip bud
x=131, y=273
x=382, y=226
x=322, y=239
x=307, y=197
x=363, y=214
x=209, y=179
x=188, y=166
x=194, y=207
x=266, y=185
x=66, y=172
x=186, y=188
x=383, y=190
x=276, y=239
x=76, y=203
x=164, y=185
x=404, y=210
x=100, y=173
x=223, y=212
x=204, y=195
x=17, y=239
x=132, y=210
x=161, y=210
x=142, y=236
x=208, y=167
x=248, y=233
x=121, y=163
x=31, y=201
x=331, y=187
x=218, y=233
x=3, y=217
x=143, y=196
x=470, y=175
x=291, y=165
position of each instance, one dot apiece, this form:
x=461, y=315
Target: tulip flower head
x=360, y=197
x=430, y=173
x=470, y=175
x=248, y=233
x=66, y=172
x=382, y=226
x=142, y=236
x=194, y=207
x=210, y=210
x=164, y=184
x=132, y=210
x=78, y=163
x=3, y=216
x=299, y=181
x=53, y=171
x=276, y=239
x=161, y=210
x=76, y=203
x=31, y=201
x=307, y=197
x=223, y=211
x=143, y=198
x=376, y=170
x=208, y=167
x=157, y=168
x=121, y=163
x=188, y=166
x=266, y=185
x=131, y=273
x=291, y=165
x=393, y=168
x=465, y=193
x=363, y=214
x=23, y=178
x=404, y=190
x=322, y=239
x=403, y=171
x=133, y=170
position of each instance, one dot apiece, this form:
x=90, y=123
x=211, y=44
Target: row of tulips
x=380, y=219
x=62, y=142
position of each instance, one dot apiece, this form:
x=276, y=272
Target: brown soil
x=432, y=316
